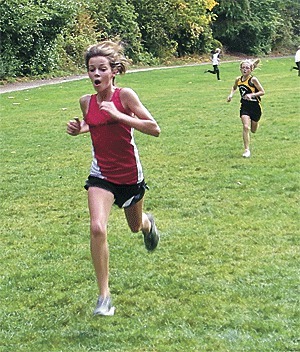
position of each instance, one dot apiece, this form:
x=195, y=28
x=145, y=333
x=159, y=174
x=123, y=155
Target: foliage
x=155, y=22
x=193, y=33
x=225, y=276
x=174, y=27
x=288, y=33
x=117, y=20
x=72, y=43
x=256, y=26
x=29, y=29
x=41, y=36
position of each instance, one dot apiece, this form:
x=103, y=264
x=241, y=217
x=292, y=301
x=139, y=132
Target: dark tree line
x=42, y=36
x=257, y=26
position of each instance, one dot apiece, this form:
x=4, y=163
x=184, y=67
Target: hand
x=109, y=107
x=74, y=127
x=248, y=96
x=229, y=98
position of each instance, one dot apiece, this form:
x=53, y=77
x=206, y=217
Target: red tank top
x=115, y=155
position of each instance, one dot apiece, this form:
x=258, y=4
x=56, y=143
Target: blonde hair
x=252, y=63
x=114, y=52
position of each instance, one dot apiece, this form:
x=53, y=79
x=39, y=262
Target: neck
x=244, y=78
x=106, y=95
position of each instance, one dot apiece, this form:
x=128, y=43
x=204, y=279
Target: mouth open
x=97, y=82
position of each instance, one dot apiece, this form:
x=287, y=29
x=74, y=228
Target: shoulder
x=129, y=98
x=85, y=99
x=256, y=83
x=84, y=102
x=253, y=80
x=128, y=94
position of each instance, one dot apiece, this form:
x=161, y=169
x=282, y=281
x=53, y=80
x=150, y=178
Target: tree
x=193, y=32
x=256, y=26
x=28, y=31
x=155, y=21
x=175, y=27
x=74, y=39
x=117, y=19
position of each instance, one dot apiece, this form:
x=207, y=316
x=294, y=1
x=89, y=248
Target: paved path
x=12, y=87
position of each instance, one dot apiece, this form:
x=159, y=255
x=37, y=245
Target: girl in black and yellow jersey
x=251, y=90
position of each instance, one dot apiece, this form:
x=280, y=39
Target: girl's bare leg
x=254, y=126
x=100, y=202
x=246, y=131
x=136, y=219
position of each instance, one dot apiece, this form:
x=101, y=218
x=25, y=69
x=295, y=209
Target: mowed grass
x=226, y=274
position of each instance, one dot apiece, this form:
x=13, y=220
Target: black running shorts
x=252, y=110
x=125, y=195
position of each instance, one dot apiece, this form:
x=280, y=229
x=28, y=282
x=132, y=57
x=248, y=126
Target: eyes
x=102, y=69
x=245, y=68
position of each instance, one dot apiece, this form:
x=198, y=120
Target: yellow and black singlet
x=247, y=87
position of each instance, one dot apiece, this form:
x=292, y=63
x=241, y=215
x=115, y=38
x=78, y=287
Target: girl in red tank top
x=116, y=177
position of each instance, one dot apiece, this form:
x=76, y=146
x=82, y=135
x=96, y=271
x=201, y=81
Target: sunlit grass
x=226, y=274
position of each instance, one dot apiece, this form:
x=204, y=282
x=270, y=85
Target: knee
x=246, y=127
x=98, y=230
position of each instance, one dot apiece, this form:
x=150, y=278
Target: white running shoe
x=104, y=307
x=247, y=153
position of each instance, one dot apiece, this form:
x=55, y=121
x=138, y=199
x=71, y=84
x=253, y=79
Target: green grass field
x=226, y=274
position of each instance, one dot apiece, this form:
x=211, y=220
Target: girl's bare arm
x=141, y=120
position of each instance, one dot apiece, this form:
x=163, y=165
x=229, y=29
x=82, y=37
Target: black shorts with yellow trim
x=251, y=109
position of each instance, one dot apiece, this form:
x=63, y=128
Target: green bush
x=74, y=40
x=175, y=27
x=42, y=36
x=117, y=19
x=28, y=33
x=257, y=26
